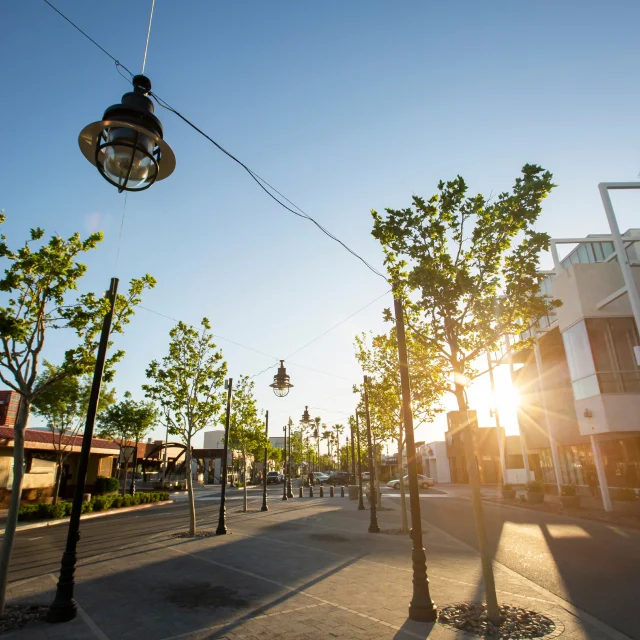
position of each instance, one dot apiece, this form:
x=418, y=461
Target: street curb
x=88, y=516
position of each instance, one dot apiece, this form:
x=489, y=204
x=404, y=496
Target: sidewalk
x=306, y=569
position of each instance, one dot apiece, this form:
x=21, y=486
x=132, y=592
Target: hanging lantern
x=305, y=416
x=127, y=146
x=281, y=383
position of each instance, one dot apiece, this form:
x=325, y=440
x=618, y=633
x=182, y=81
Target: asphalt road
x=592, y=565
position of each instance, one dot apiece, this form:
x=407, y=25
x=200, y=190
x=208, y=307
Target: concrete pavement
x=305, y=569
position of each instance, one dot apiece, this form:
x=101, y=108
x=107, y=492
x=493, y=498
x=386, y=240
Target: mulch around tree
x=515, y=623
x=19, y=616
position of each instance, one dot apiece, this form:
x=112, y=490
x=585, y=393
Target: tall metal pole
x=63, y=607
x=222, y=518
x=353, y=459
x=289, y=491
x=347, y=454
x=373, y=520
x=132, y=489
x=360, y=500
x=422, y=606
x=496, y=414
x=266, y=449
x=284, y=464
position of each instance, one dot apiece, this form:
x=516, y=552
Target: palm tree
x=338, y=428
x=327, y=435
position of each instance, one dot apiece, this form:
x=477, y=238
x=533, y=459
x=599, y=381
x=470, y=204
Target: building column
x=552, y=440
x=523, y=441
x=602, y=476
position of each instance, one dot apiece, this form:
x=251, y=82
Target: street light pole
x=63, y=607
x=360, y=501
x=353, y=458
x=266, y=449
x=284, y=464
x=422, y=607
x=289, y=491
x=222, y=518
x=373, y=521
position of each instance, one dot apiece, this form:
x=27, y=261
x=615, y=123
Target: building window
x=612, y=341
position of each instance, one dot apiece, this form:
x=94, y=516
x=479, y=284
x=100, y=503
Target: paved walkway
x=307, y=569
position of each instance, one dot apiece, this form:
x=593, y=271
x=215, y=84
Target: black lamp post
x=353, y=458
x=289, y=490
x=127, y=145
x=373, y=523
x=347, y=447
x=281, y=382
x=421, y=607
x=222, y=518
x=284, y=465
x=266, y=449
x=360, y=500
x=63, y=607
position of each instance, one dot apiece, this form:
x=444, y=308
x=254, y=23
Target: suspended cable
x=261, y=182
x=88, y=37
x=146, y=46
x=124, y=211
x=335, y=326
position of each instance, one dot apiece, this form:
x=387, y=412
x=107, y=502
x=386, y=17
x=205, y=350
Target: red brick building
x=9, y=401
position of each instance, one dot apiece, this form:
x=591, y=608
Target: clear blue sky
x=343, y=106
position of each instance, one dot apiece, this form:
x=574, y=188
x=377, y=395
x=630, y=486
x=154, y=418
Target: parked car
x=423, y=482
x=274, y=477
x=319, y=477
x=339, y=478
x=366, y=476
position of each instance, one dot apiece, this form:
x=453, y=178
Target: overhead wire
x=261, y=182
x=146, y=45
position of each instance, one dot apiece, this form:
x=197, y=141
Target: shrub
x=105, y=484
x=568, y=490
x=28, y=512
x=534, y=486
x=102, y=502
x=87, y=507
x=67, y=507
x=507, y=487
x=624, y=494
x=116, y=502
x=127, y=500
x=163, y=495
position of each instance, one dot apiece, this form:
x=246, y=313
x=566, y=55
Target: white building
x=435, y=463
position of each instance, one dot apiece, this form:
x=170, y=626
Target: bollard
x=331, y=491
x=342, y=492
x=310, y=491
x=321, y=491
x=300, y=495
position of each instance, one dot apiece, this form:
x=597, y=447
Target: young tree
x=246, y=428
x=127, y=423
x=38, y=283
x=63, y=405
x=328, y=436
x=378, y=357
x=452, y=258
x=338, y=430
x=187, y=384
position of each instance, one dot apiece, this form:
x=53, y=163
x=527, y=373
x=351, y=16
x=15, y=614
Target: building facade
x=580, y=384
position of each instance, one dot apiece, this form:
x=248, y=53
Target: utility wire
x=261, y=182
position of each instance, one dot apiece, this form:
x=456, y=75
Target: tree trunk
x=126, y=470
x=244, y=472
x=56, y=484
x=403, y=498
x=192, y=504
x=16, y=494
x=493, y=611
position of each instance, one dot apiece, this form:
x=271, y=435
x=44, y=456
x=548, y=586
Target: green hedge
x=97, y=503
x=105, y=484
